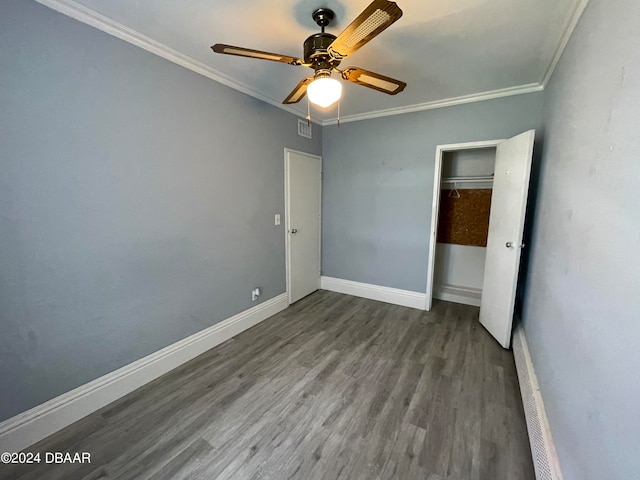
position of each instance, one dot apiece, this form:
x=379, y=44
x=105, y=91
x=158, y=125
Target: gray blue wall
x=378, y=185
x=582, y=299
x=136, y=203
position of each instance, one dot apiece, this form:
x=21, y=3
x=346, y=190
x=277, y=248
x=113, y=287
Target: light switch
x=277, y=219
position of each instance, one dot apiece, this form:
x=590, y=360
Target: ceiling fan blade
x=378, y=16
x=299, y=92
x=247, y=52
x=373, y=80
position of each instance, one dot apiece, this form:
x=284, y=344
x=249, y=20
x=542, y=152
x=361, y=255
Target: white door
x=303, y=200
x=504, y=243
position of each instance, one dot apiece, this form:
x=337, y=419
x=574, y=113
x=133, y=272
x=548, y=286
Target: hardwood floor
x=334, y=387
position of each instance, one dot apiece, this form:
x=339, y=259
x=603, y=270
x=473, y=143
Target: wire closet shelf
x=471, y=179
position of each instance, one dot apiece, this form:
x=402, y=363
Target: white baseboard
x=29, y=427
x=396, y=296
x=543, y=450
x=457, y=294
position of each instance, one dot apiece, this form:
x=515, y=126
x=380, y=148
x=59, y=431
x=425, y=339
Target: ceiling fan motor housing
x=315, y=47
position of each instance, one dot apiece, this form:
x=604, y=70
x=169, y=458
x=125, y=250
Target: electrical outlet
x=255, y=293
x=277, y=219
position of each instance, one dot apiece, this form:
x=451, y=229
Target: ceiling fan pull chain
x=338, y=113
x=308, y=112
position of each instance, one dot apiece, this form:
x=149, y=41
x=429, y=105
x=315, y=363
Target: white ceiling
x=443, y=49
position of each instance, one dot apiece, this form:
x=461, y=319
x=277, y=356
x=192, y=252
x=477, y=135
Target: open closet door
x=504, y=243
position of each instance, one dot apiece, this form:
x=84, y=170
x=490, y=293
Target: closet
x=477, y=223
x=463, y=224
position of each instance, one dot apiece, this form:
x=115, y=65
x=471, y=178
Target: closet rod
x=467, y=179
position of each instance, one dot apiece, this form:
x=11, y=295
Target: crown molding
x=568, y=31
x=448, y=102
x=111, y=27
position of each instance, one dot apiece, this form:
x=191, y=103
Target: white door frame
x=435, y=206
x=287, y=226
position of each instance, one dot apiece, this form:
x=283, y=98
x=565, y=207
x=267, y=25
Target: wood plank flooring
x=334, y=387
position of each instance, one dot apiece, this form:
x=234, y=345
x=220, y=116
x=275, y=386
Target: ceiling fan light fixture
x=324, y=91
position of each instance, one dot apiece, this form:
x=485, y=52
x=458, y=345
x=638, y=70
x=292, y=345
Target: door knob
x=510, y=245
x=294, y=231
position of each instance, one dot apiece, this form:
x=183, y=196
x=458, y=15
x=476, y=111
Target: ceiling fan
x=323, y=52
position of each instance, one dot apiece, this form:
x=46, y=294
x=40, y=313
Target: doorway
x=455, y=271
x=463, y=224
x=303, y=200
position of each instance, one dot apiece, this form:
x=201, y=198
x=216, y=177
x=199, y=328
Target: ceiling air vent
x=304, y=128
